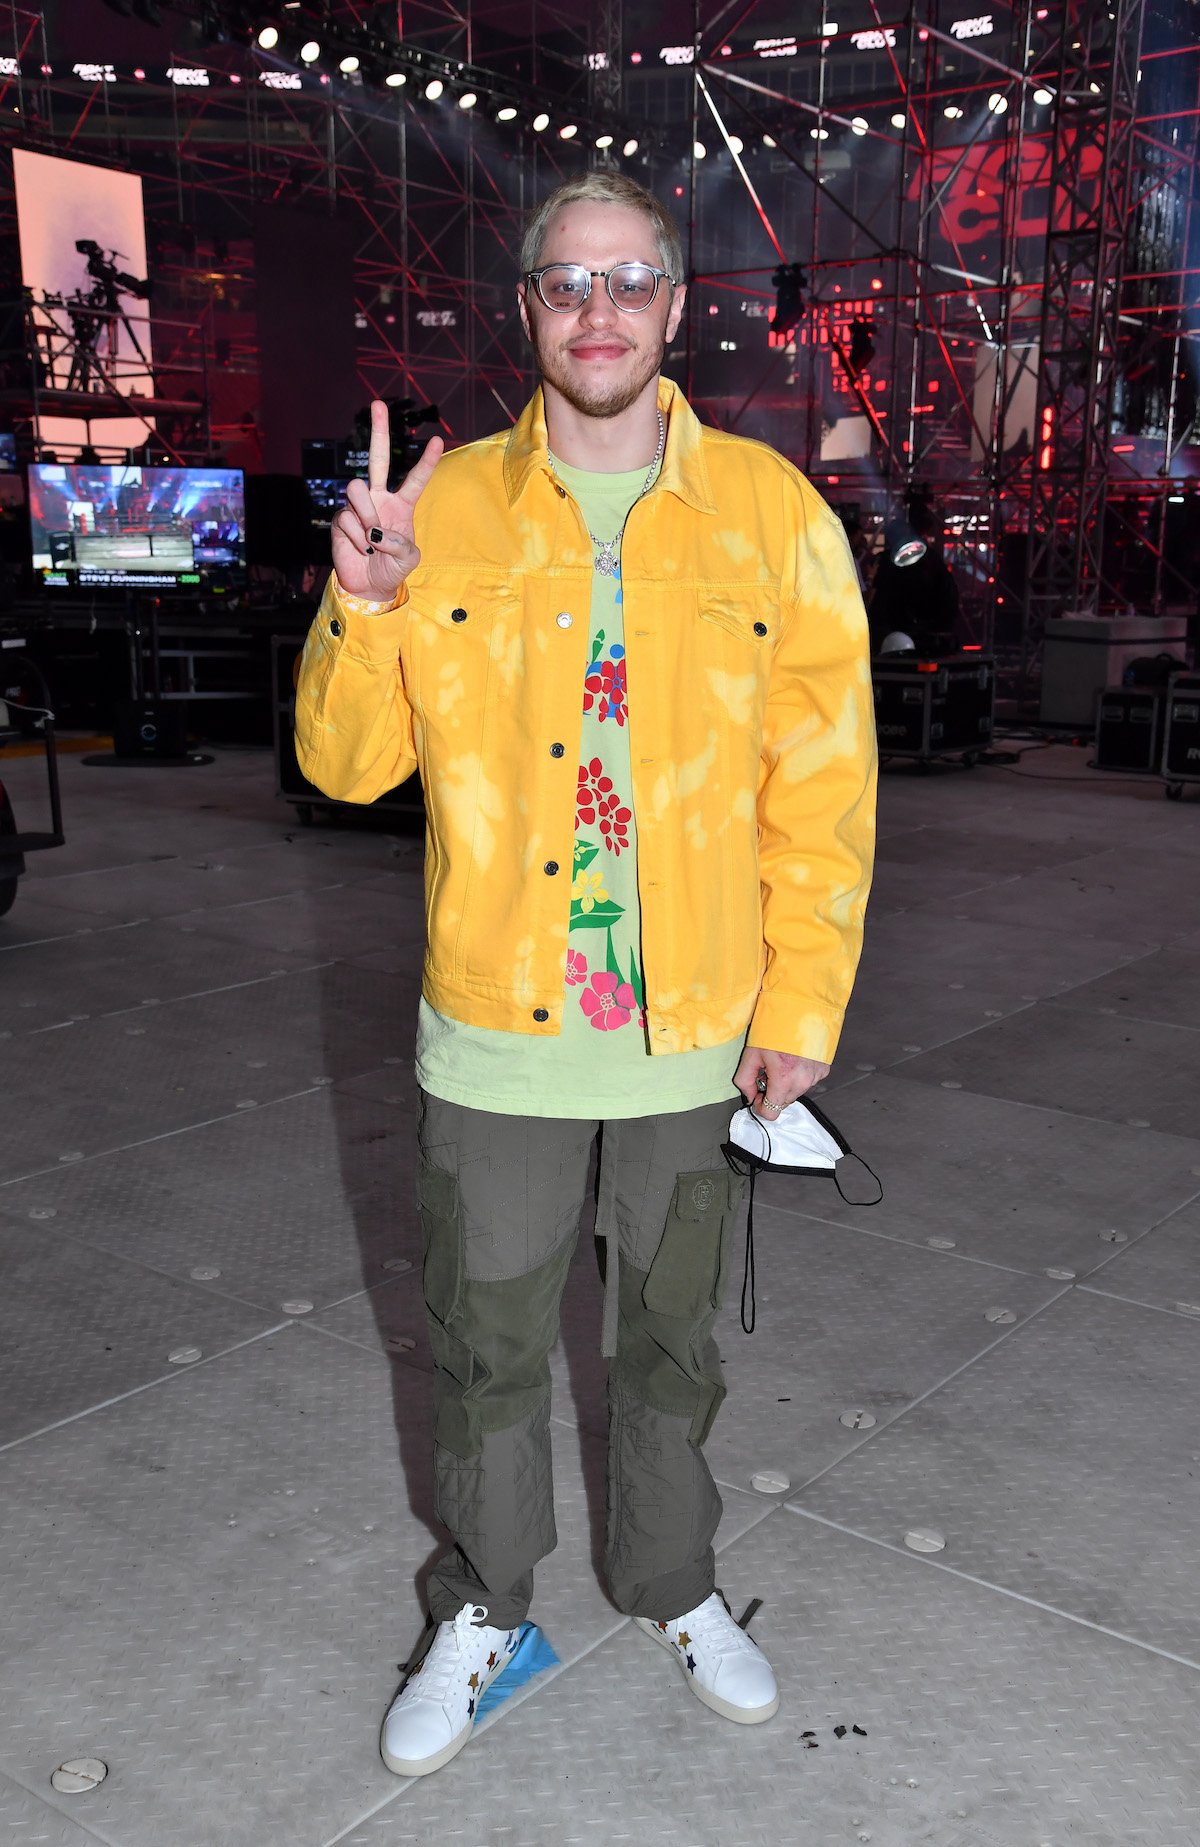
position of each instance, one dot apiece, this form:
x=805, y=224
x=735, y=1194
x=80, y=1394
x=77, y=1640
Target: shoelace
x=436, y=1677
x=713, y=1624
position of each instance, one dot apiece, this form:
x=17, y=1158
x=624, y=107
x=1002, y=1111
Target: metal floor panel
x=343, y=920
x=109, y=970
x=1028, y=1189
x=1133, y=892
x=176, y=1063
x=1060, y=1466
x=1025, y=963
x=27, y=1821
x=305, y=1200
x=1163, y=986
x=993, y=853
x=78, y=1326
x=211, y=1587
x=891, y=1017
x=1127, y=1071
x=35, y=919
x=987, y=1724
x=1162, y=1269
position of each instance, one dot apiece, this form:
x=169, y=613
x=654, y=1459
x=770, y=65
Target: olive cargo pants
x=500, y=1199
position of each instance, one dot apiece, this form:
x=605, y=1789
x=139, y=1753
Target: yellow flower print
x=588, y=890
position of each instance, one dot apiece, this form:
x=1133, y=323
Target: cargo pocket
x=455, y=1424
x=685, y=1283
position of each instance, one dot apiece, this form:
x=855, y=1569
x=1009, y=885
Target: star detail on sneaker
x=661, y=1626
x=685, y=1640
x=691, y=1661
x=493, y=1658
x=470, y=1709
x=473, y=1683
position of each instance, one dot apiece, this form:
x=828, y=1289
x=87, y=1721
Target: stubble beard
x=602, y=401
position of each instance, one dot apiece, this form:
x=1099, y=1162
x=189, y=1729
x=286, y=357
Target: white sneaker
x=720, y=1663
x=431, y=1717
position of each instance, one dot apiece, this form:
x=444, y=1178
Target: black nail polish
x=376, y=535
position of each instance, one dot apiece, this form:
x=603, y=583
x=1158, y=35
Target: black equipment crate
x=934, y=708
x=1181, y=734
x=405, y=799
x=1129, y=728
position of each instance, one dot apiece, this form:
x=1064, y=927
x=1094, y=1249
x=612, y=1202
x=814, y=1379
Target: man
x=628, y=655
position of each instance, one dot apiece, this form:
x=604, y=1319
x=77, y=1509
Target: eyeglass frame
x=660, y=275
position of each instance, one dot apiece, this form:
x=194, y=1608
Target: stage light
x=1094, y=88
x=507, y=114
x=829, y=29
x=631, y=147
x=540, y=121
x=396, y=80
x=268, y=38
x=468, y=99
x=736, y=144
x=790, y=284
x=899, y=119
x=1043, y=97
x=819, y=134
x=859, y=125
x=699, y=149
x=952, y=112
x=568, y=131
x=909, y=551
x=310, y=51
x=348, y=65
x=604, y=141
x=769, y=141
x=433, y=89
x=997, y=103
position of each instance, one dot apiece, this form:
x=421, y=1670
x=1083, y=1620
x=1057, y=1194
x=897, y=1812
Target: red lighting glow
x=876, y=282
x=1124, y=448
x=972, y=647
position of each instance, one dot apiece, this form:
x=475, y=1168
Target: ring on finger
x=773, y=1107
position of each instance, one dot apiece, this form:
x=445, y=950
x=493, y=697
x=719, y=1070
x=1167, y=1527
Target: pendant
x=607, y=562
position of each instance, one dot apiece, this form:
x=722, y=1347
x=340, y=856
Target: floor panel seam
x=147, y=1141
x=147, y=1385
x=872, y=1435
x=52, y=1808
x=1000, y=1590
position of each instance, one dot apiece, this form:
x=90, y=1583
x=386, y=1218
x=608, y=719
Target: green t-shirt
x=599, y=1064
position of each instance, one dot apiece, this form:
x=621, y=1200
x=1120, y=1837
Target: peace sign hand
x=373, y=545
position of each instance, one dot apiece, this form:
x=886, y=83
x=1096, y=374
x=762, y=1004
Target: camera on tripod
x=104, y=271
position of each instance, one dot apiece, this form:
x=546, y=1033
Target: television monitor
x=8, y=452
x=326, y=497
x=104, y=526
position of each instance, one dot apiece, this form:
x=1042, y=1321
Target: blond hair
x=604, y=188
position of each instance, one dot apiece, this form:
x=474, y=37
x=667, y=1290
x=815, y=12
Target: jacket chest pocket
x=749, y=617
x=451, y=642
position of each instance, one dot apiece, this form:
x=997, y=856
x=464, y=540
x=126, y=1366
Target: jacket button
x=335, y=627
x=540, y=1014
x=560, y=490
x=557, y=750
x=760, y=628
x=460, y=615
x=563, y=619
x=550, y=868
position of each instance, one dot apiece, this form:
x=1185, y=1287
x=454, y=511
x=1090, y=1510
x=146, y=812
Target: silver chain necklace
x=608, y=551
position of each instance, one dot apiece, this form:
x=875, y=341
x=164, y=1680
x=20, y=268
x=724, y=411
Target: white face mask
x=801, y=1140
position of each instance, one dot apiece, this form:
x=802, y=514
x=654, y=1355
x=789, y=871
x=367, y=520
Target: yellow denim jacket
x=751, y=725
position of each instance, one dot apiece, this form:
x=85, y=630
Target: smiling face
x=599, y=358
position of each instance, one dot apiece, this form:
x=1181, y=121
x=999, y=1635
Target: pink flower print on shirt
x=576, y=967
x=609, y=1002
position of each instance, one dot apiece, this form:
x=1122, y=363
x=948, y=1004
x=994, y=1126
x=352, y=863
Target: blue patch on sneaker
x=532, y=1655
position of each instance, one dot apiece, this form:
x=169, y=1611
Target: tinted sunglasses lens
x=632, y=286
x=564, y=287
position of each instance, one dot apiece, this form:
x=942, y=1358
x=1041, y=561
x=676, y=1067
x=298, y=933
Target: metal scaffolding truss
x=956, y=195
x=1087, y=233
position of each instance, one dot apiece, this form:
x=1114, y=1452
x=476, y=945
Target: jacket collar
x=683, y=472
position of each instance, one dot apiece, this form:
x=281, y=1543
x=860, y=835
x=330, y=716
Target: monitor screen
x=110, y=525
x=8, y=452
x=326, y=497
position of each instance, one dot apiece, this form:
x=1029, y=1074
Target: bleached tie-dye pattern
x=753, y=753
